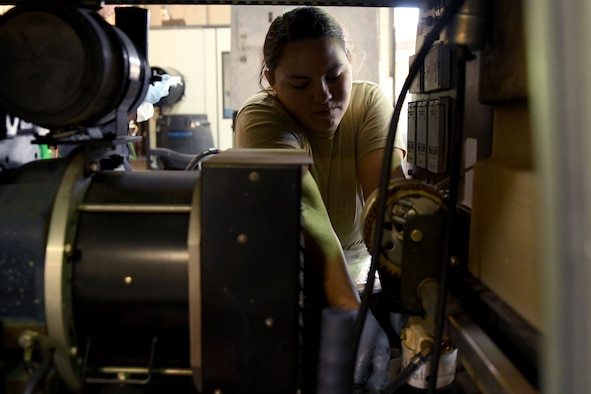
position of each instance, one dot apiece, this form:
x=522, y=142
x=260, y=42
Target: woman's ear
x=349, y=55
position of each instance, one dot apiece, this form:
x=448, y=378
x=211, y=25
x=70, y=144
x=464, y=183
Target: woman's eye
x=300, y=87
x=334, y=77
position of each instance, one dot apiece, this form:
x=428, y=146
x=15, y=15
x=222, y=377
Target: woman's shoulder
x=264, y=104
x=261, y=98
x=366, y=95
x=365, y=88
x=263, y=122
x=362, y=84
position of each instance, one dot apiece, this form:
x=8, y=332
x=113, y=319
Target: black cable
x=414, y=364
x=455, y=154
x=430, y=37
x=41, y=373
x=195, y=161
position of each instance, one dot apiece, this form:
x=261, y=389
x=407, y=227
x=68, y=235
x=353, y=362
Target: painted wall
x=196, y=53
x=190, y=14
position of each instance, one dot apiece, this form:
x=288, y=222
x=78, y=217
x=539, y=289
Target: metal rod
x=142, y=370
x=134, y=208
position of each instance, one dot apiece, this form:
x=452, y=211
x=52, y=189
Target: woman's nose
x=322, y=93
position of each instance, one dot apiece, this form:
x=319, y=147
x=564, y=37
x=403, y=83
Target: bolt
x=93, y=167
x=27, y=339
x=269, y=322
x=242, y=239
x=68, y=249
x=128, y=280
x=446, y=345
x=416, y=235
x=254, y=176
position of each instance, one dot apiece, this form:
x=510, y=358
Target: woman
x=313, y=104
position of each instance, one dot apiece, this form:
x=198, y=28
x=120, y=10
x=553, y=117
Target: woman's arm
x=369, y=169
x=376, y=111
x=263, y=126
x=322, y=243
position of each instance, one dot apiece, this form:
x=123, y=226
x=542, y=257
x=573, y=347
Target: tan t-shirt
x=262, y=122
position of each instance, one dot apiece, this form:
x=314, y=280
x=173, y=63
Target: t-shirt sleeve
x=375, y=123
x=263, y=124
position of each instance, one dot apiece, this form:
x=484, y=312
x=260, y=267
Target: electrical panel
x=428, y=130
x=429, y=114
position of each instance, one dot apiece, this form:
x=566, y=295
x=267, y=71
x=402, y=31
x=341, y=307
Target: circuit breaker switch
x=438, y=120
x=421, y=142
x=411, y=133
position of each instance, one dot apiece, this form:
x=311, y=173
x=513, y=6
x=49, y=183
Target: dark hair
x=302, y=23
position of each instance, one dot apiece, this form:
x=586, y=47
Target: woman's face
x=313, y=81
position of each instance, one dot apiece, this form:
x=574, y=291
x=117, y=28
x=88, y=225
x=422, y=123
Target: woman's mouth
x=326, y=111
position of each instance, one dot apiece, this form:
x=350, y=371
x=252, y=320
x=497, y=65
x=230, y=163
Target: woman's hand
x=373, y=357
x=337, y=358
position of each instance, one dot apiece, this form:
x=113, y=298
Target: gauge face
x=65, y=66
x=405, y=199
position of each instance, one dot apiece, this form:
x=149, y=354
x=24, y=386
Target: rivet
x=254, y=176
x=454, y=261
